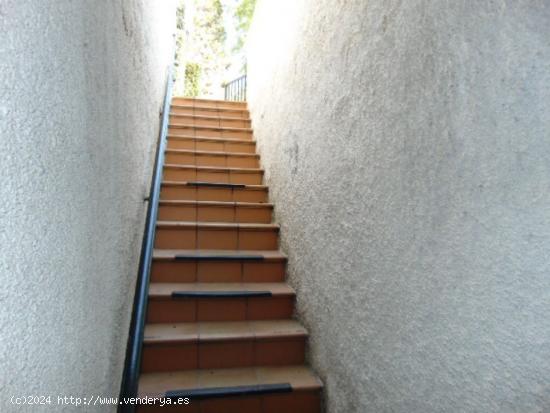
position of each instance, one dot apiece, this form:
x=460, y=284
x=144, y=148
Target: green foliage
x=207, y=41
x=180, y=16
x=243, y=16
x=179, y=60
x=244, y=13
x=209, y=29
x=192, y=79
x=201, y=38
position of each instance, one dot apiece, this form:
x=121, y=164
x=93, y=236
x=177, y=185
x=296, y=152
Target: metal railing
x=236, y=89
x=132, y=363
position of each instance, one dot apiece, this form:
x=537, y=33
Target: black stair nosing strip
x=221, y=257
x=233, y=391
x=215, y=184
x=221, y=294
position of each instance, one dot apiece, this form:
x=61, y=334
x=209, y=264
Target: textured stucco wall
x=407, y=149
x=81, y=87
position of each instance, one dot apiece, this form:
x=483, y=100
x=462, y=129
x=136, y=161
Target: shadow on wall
x=82, y=84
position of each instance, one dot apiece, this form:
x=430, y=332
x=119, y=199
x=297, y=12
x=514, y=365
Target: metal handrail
x=236, y=89
x=132, y=363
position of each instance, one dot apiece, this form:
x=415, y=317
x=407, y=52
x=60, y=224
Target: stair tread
x=214, y=224
x=212, y=153
x=213, y=168
x=206, y=117
x=213, y=139
x=164, y=290
x=185, y=183
x=274, y=255
x=217, y=203
x=300, y=378
x=230, y=313
x=223, y=330
x=227, y=128
x=195, y=100
x=207, y=108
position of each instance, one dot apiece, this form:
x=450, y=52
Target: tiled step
x=196, y=143
x=216, y=235
x=208, y=211
x=213, y=174
x=211, y=131
x=197, y=191
x=193, y=302
x=209, y=111
x=208, y=103
x=219, y=327
x=286, y=389
x=217, y=266
x=212, y=158
x=215, y=345
x=201, y=120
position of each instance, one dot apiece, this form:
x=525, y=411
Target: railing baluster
x=236, y=89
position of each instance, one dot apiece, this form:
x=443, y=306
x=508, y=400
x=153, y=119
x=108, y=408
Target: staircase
x=219, y=317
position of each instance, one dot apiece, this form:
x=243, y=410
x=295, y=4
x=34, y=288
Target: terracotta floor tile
x=298, y=377
x=162, y=357
x=221, y=309
x=158, y=383
x=232, y=405
x=227, y=377
x=171, y=331
x=277, y=328
x=224, y=271
x=295, y=402
x=171, y=311
x=279, y=352
x=170, y=271
x=226, y=354
x=228, y=330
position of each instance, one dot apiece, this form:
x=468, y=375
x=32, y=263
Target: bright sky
x=229, y=7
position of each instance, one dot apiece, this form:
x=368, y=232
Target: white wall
x=81, y=88
x=407, y=149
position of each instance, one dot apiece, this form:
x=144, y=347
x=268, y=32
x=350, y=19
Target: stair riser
x=230, y=177
x=230, y=161
x=204, y=213
x=200, y=145
x=219, y=309
x=223, y=354
x=210, y=133
x=199, y=103
x=217, y=271
x=216, y=239
x=217, y=122
x=225, y=113
x=294, y=402
x=197, y=193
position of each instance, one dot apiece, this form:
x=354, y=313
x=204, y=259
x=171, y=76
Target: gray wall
x=407, y=149
x=81, y=87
